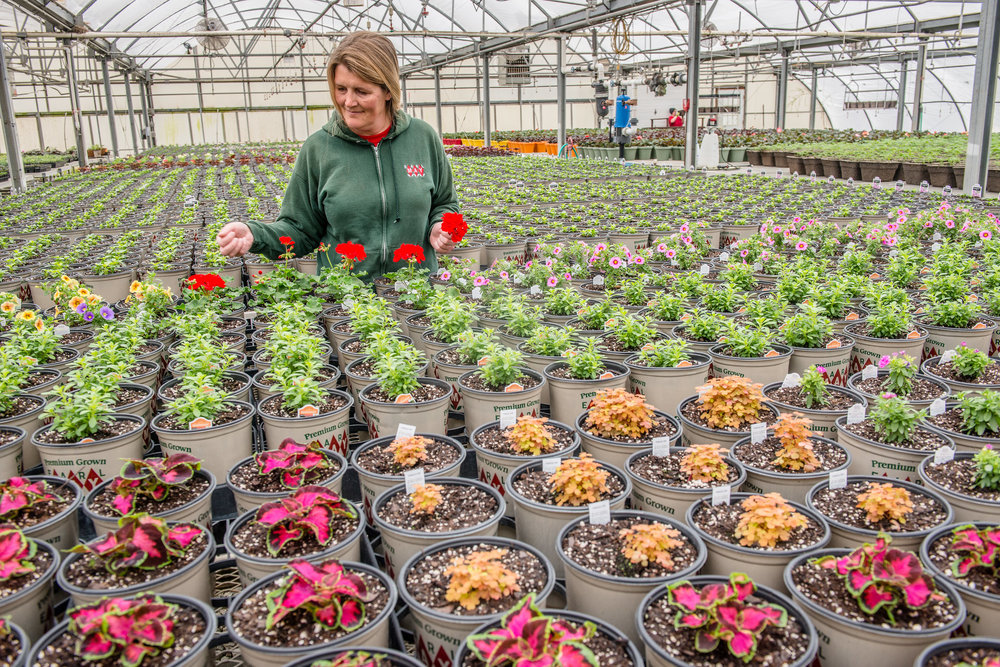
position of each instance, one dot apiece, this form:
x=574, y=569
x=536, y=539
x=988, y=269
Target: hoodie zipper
x=381, y=189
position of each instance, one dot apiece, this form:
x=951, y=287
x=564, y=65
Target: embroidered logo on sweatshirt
x=414, y=170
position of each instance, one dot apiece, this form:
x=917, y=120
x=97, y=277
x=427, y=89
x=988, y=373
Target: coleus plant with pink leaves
x=881, y=578
x=721, y=613
x=974, y=548
x=294, y=464
x=332, y=594
x=151, y=478
x=141, y=542
x=309, y=511
x=18, y=494
x=130, y=630
x=16, y=554
x=526, y=636
x=353, y=659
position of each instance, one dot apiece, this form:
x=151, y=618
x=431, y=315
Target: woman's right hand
x=234, y=239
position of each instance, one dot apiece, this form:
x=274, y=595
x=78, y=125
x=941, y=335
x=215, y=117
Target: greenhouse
x=499, y=333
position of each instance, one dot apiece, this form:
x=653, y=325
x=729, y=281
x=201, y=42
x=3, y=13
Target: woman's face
x=362, y=103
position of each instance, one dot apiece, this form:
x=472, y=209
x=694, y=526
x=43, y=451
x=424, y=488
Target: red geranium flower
x=455, y=225
x=205, y=281
x=286, y=240
x=408, y=251
x=352, y=251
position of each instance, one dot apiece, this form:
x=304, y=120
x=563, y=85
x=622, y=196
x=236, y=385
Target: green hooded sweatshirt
x=345, y=189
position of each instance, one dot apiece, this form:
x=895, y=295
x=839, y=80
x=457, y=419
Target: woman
x=373, y=175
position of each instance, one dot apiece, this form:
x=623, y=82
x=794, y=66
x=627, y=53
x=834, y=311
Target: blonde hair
x=371, y=57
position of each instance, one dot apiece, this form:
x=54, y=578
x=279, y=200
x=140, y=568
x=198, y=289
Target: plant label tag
x=913, y=334
x=308, y=411
x=512, y=387
x=600, y=512
x=402, y=399
x=758, y=432
x=978, y=325
x=937, y=237
x=724, y=256
x=483, y=361
x=947, y=356
x=549, y=466
x=791, y=381
x=704, y=269
x=943, y=454
x=413, y=479
x=598, y=280
x=248, y=315
x=869, y=372
x=405, y=431
x=477, y=293
x=661, y=446
x=61, y=330
x=507, y=418
x=874, y=276
x=200, y=423
x=720, y=495
x=757, y=266
x=606, y=375
x=937, y=407
x=851, y=317
x=535, y=290
x=399, y=285
x=833, y=344
x=87, y=440
x=772, y=353
x=684, y=364
x=838, y=479
x=856, y=414
x=673, y=262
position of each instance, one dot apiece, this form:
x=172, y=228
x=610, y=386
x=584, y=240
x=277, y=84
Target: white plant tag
x=856, y=414
x=937, y=236
x=399, y=285
x=935, y=247
x=757, y=266
x=600, y=512
x=704, y=269
x=943, y=454
x=724, y=256
x=61, y=330
x=477, y=293
x=869, y=372
x=535, y=289
x=791, y=381
x=838, y=479
x=947, y=356
x=598, y=280
x=249, y=315
x=507, y=418
x=937, y=407
x=406, y=431
x=720, y=495
x=758, y=432
x=661, y=446
x=549, y=466
x=413, y=479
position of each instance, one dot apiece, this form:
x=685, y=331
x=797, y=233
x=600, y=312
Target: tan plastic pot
x=539, y=363
x=428, y=417
x=450, y=373
x=613, y=598
x=966, y=508
x=877, y=460
x=847, y=536
x=568, y=397
x=148, y=378
x=61, y=531
x=696, y=434
x=852, y=384
x=847, y=642
x=836, y=361
x=868, y=350
x=964, y=441
x=29, y=422
x=241, y=394
x=930, y=365
x=764, y=370
x=982, y=609
x=792, y=486
x=665, y=388
x=247, y=500
x=31, y=607
x=494, y=467
x=331, y=430
x=11, y=453
x=198, y=511
x=355, y=383
x=254, y=568
x=143, y=407
x=438, y=636
x=617, y=453
x=374, y=484
x=400, y=544
x=484, y=407
x=218, y=447
x=263, y=392
x=824, y=422
x=670, y=501
x=87, y=464
x=373, y=634
x=537, y=523
x=192, y=580
x=941, y=339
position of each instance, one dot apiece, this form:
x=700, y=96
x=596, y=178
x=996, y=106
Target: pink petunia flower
x=446, y=275
x=615, y=262
x=552, y=281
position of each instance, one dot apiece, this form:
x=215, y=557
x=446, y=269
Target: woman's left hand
x=441, y=241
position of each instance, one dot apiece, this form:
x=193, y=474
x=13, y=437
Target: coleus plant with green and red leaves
x=721, y=613
x=309, y=511
x=141, y=542
x=18, y=494
x=151, y=478
x=16, y=554
x=526, y=636
x=974, y=548
x=293, y=464
x=881, y=578
x=353, y=659
x=130, y=630
x=332, y=594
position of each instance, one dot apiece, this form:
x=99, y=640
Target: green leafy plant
x=397, y=372
x=666, y=353
x=894, y=419
x=549, y=341
x=632, y=331
x=449, y=316
x=969, y=363
x=807, y=328
x=585, y=361
x=889, y=321
x=474, y=345
x=501, y=367
x=901, y=369
x=813, y=386
x=563, y=301
x=956, y=314
x=667, y=307
x=987, y=468
x=980, y=412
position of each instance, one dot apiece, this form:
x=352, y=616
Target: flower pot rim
x=622, y=371
x=422, y=380
x=685, y=421
x=846, y=343
x=949, y=405
x=355, y=566
x=842, y=422
x=699, y=360
x=966, y=386
x=784, y=600
x=92, y=494
x=849, y=329
x=255, y=380
x=208, y=554
x=830, y=387
x=910, y=486
x=730, y=460
x=813, y=607
x=382, y=498
x=35, y=398
x=206, y=612
x=177, y=380
x=435, y=360
x=20, y=660
x=157, y=428
x=148, y=391
x=578, y=427
x=115, y=416
x=961, y=586
x=247, y=516
x=454, y=444
x=564, y=509
x=494, y=540
x=73, y=505
x=524, y=369
x=297, y=420
x=955, y=643
x=795, y=475
x=46, y=577
x=17, y=431
x=281, y=494
x=513, y=457
x=715, y=351
x=882, y=372
x=116, y=274
x=396, y=657
x=739, y=548
x=638, y=582
x=944, y=491
x=940, y=327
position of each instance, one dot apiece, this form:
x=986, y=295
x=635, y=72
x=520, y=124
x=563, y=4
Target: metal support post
x=487, y=132
x=901, y=97
x=437, y=97
x=693, y=66
x=144, y=131
x=201, y=100
x=152, y=111
x=111, y=107
x=74, y=102
x=14, y=162
x=560, y=91
x=131, y=113
x=402, y=85
x=779, y=115
x=305, y=102
x=984, y=89
x=918, y=87
x=813, y=98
